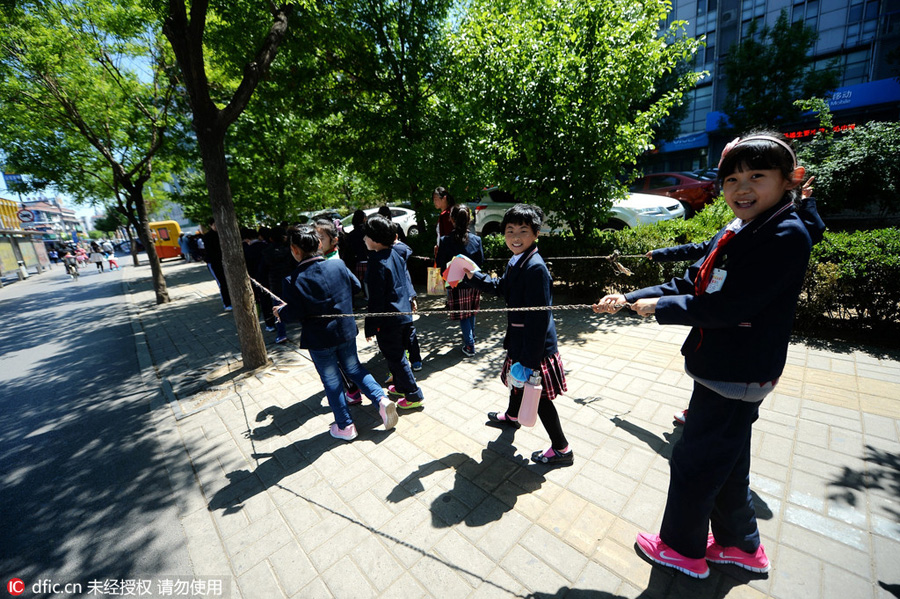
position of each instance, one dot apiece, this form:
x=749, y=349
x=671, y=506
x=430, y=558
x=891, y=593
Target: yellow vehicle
x=165, y=238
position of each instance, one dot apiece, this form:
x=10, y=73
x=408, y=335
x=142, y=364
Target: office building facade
x=859, y=34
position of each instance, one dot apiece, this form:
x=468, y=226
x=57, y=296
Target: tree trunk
x=159, y=281
x=212, y=151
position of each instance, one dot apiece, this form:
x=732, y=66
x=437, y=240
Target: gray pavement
x=84, y=495
x=446, y=507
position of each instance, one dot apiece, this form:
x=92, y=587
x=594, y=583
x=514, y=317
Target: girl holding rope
x=530, y=340
x=740, y=300
x=463, y=300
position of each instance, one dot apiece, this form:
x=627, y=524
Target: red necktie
x=706, y=269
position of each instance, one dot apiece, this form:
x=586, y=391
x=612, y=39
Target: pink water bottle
x=531, y=395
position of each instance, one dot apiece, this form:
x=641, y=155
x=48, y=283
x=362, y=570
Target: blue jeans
x=468, y=331
x=327, y=361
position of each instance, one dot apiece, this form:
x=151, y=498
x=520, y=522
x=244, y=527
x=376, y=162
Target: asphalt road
x=84, y=495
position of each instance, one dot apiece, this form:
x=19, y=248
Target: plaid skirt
x=553, y=378
x=359, y=269
x=463, y=302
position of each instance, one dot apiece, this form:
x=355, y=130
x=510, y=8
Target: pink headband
x=738, y=140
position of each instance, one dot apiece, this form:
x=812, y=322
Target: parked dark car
x=125, y=246
x=693, y=193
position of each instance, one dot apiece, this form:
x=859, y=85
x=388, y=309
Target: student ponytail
x=460, y=216
x=305, y=238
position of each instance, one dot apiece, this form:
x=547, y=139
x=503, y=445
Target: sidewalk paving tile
x=444, y=506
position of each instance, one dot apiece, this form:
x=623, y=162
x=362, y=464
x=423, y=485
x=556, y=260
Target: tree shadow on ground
x=80, y=463
x=482, y=490
x=277, y=465
x=882, y=474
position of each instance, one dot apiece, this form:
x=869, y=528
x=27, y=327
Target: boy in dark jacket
x=389, y=291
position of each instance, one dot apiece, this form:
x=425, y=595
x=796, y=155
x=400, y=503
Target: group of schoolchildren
x=739, y=299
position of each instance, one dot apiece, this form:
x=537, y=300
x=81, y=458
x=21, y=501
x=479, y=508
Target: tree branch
x=254, y=71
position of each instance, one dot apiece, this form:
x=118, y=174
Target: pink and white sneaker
x=388, y=412
x=653, y=547
x=346, y=434
x=354, y=399
x=757, y=561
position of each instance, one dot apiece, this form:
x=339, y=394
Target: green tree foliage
x=860, y=170
x=386, y=79
x=768, y=70
x=558, y=95
x=85, y=101
x=110, y=222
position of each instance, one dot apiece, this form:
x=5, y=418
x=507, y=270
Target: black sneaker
x=541, y=457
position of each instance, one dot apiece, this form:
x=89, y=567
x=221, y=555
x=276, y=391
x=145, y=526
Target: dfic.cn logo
x=15, y=586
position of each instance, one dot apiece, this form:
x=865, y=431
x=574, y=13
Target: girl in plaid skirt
x=530, y=335
x=462, y=300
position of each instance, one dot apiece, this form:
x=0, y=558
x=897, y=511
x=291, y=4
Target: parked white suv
x=637, y=209
x=404, y=217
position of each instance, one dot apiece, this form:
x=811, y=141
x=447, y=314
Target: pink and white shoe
x=388, y=412
x=680, y=417
x=757, y=561
x=653, y=547
x=354, y=399
x=346, y=434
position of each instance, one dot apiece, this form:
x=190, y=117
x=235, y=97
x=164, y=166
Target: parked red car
x=692, y=192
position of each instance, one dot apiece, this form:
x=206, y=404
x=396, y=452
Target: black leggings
x=546, y=412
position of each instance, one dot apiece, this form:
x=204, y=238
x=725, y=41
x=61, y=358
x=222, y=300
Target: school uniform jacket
x=449, y=247
x=530, y=336
x=318, y=286
x=740, y=333
x=388, y=291
x=404, y=251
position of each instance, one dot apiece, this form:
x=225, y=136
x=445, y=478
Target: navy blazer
x=387, y=289
x=318, y=286
x=530, y=336
x=449, y=247
x=405, y=252
x=741, y=332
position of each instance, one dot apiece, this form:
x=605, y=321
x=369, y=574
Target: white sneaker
x=388, y=412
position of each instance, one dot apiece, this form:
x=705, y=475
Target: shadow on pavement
x=83, y=481
x=482, y=490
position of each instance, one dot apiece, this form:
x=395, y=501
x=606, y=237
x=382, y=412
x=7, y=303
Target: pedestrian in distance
x=213, y=255
x=530, y=340
x=413, y=350
x=464, y=300
x=443, y=202
x=277, y=263
x=388, y=292
x=317, y=288
x=97, y=256
x=739, y=301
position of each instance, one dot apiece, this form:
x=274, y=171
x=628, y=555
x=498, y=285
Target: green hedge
x=853, y=276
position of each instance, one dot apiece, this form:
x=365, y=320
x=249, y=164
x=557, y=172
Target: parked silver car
x=637, y=209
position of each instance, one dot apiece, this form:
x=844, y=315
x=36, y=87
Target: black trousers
x=393, y=342
x=710, y=477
